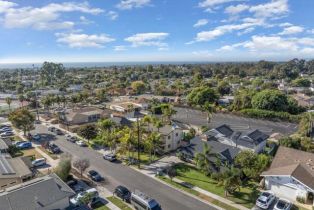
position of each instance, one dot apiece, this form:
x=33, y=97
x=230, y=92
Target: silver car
x=265, y=200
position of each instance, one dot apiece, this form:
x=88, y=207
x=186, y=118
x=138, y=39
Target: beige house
x=83, y=115
x=13, y=171
x=171, y=137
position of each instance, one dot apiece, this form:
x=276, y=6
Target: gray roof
x=38, y=193
x=4, y=145
x=13, y=167
x=197, y=144
x=225, y=130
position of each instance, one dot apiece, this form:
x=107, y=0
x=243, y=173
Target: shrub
x=270, y=115
x=300, y=199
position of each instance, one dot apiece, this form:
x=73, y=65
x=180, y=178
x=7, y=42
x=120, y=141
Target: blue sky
x=155, y=30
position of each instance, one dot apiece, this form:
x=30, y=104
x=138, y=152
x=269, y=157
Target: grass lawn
x=119, y=203
x=53, y=156
x=31, y=153
x=100, y=206
x=202, y=196
x=246, y=196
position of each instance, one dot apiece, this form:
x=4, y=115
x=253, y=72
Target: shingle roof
x=35, y=194
x=197, y=145
x=295, y=163
x=225, y=130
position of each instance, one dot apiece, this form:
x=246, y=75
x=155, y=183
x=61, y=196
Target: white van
x=39, y=162
x=140, y=201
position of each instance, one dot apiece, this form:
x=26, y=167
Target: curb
x=182, y=191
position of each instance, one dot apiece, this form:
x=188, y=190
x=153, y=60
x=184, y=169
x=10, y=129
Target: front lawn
x=31, y=153
x=246, y=196
x=53, y=156
x=119, y=203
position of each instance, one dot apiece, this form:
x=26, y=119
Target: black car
x=54, y=149
x=58, y=132
x=94, y=175
x=123, y=193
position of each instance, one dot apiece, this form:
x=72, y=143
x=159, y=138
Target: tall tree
x=22, y=119
x=8, y=100
x=203, y=161
x=81, y=165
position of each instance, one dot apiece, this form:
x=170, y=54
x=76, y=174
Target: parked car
x=70, y=138
x=5, y=129
x=5, y=126
x=18, y=142
x=283, y=204
x=81, y=143
x=51, y=128
x=39, y=162
x=94, y=175
x=265, y=200
x=123, y=193
x=58, y=132
x=36, y=137
x=75, y=201
x=24, y=145
x=54, y=148
x=110, y=157
x=6, y=134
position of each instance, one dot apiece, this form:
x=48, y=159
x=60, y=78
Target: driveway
x=118, y=174
x=237, y=123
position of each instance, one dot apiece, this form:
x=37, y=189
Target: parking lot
x=237, y=123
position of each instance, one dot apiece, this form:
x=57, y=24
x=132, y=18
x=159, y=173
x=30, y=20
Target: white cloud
x=211, y=4
x=112, y=15
x=234, y=10
x=270, y=43
x=120, y=48
x=5, y=5
x=148, y=39
x=83, y=40
x=230, y=47
x=202, y=53
x=130, y=4
x=274, y=9
x=221, y=30
x=200, y=23
x=46, y=17
x=292, y=30
x=85, y=21
x=285, y=24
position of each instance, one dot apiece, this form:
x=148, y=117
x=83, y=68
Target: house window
x=177, y=134
x=169, y=145
x=169, y=137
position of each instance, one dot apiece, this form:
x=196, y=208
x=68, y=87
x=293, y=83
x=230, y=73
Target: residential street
x=118, y=174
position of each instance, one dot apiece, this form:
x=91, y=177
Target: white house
x=291, y=174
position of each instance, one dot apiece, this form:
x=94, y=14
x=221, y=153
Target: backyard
x=246, y=196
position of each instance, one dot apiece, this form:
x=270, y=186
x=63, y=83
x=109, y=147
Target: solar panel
x=5, y=167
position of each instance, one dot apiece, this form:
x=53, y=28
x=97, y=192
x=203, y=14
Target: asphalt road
x=118, y=174
x=237, y=123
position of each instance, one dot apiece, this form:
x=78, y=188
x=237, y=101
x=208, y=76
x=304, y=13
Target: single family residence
x=291, y=174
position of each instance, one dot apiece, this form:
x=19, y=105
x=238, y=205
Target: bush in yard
x=171, y=172
x=64, y=167
x=270, y=115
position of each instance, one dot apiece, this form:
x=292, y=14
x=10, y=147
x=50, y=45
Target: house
x=83, y=115
x=304, y=100
x=13, y=171
x=125, y=107
x=47, y=192
x=171, y=136
x=225, y=153
x=226, y=100
x=254, y=140
x=291, y=174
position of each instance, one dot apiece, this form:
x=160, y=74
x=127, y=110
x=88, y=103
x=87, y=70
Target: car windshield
x=261, y=201
x=157, y=207
x=282, y=204
x=93, y=173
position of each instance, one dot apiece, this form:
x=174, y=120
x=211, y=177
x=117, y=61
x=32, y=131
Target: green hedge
x=270, y=115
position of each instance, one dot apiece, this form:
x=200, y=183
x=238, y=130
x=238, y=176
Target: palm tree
x=127, y=140
x=158, y=124
x=168, y=112
x=209, y=109
x=8, y=100
x=231, y=180
x=203, y=161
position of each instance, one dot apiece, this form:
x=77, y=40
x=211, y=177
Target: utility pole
x=138, y=143
x=36, y=102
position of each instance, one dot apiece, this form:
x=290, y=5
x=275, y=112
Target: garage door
x=283, y=191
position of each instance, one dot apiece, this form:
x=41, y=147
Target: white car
x=265, y=200
x=81, y=143
x=283, y=204
x=39, y=162
x=76, y=199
